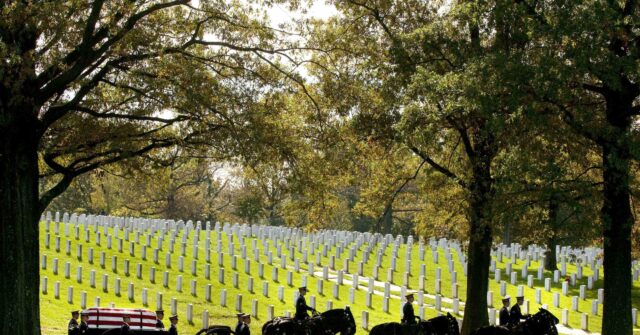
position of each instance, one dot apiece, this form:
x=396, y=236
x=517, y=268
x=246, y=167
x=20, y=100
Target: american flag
x=107, y=318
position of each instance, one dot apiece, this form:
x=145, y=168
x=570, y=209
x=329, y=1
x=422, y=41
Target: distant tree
x=548, y=188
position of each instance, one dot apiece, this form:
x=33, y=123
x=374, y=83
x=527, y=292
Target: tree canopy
x=482, y=121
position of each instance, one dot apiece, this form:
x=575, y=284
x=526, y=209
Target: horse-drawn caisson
x=117, y=321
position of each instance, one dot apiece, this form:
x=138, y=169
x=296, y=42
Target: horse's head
x=350, y=329
x=339, y=320
x=544, y=322
x=548, y=316
x=443, y=324
x=453, y=325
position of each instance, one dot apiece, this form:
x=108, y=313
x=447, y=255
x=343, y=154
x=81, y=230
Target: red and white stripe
x=106, y=318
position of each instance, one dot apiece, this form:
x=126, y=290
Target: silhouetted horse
x=541, y=323
x=441, y=325
x=215, y=330
x=330, y=322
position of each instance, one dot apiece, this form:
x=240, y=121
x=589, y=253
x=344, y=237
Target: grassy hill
x=55, y=311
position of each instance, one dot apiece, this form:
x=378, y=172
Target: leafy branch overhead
x=121, y=80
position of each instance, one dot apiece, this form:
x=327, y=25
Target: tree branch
x=438, y=167
x=397, y=191
x=52, y=81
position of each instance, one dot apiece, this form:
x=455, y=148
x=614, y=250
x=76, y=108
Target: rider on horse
x=516, y=314
x=301, y=305
x=409, y=316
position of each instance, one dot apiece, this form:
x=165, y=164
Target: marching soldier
x=239, y=324
x=409, y=316
x=125, y=329
x=73, y=323
x=159, y=317
x=174, y=321
x=505, y=319
x=301, y=305
x=84, y=326
x=516, y=313
x=246, y=320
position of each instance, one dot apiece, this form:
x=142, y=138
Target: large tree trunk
x=480, y=239
x=19, y=212
x=550, y=261
x=19, y=247
x=617, y=222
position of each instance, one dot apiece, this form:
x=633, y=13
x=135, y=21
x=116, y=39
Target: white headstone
x=584, y=322
x=547, y=284
x=600, y=295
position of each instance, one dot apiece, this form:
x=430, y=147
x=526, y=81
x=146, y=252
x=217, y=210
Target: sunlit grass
x=55, y=312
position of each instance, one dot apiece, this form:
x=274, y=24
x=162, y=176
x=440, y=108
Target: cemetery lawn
x=55, y=312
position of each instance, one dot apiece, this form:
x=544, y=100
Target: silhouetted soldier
x=301, y=305
x=239, y=325
x=246, y=320
x=505, y=318
x=84, y=326
x=159, y=317
x=125, y=329
x=73, y=323
x=516, y=314
x=174, y=321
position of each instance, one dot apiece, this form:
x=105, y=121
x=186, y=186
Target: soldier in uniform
x=301, y=305
x=159, y=317
x=516, y=314
x=239, y=325
x=409, y=316
x=84, y=326
x=246, y=321
x=125, y=329
x=174, y=321
x=73, y=323
x=505, y=319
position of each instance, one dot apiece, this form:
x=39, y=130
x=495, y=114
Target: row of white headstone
x=283, y=261
x=583, y=255
x=243, y=231
x=588, y=254
x=221, y=277
x=355, y=280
